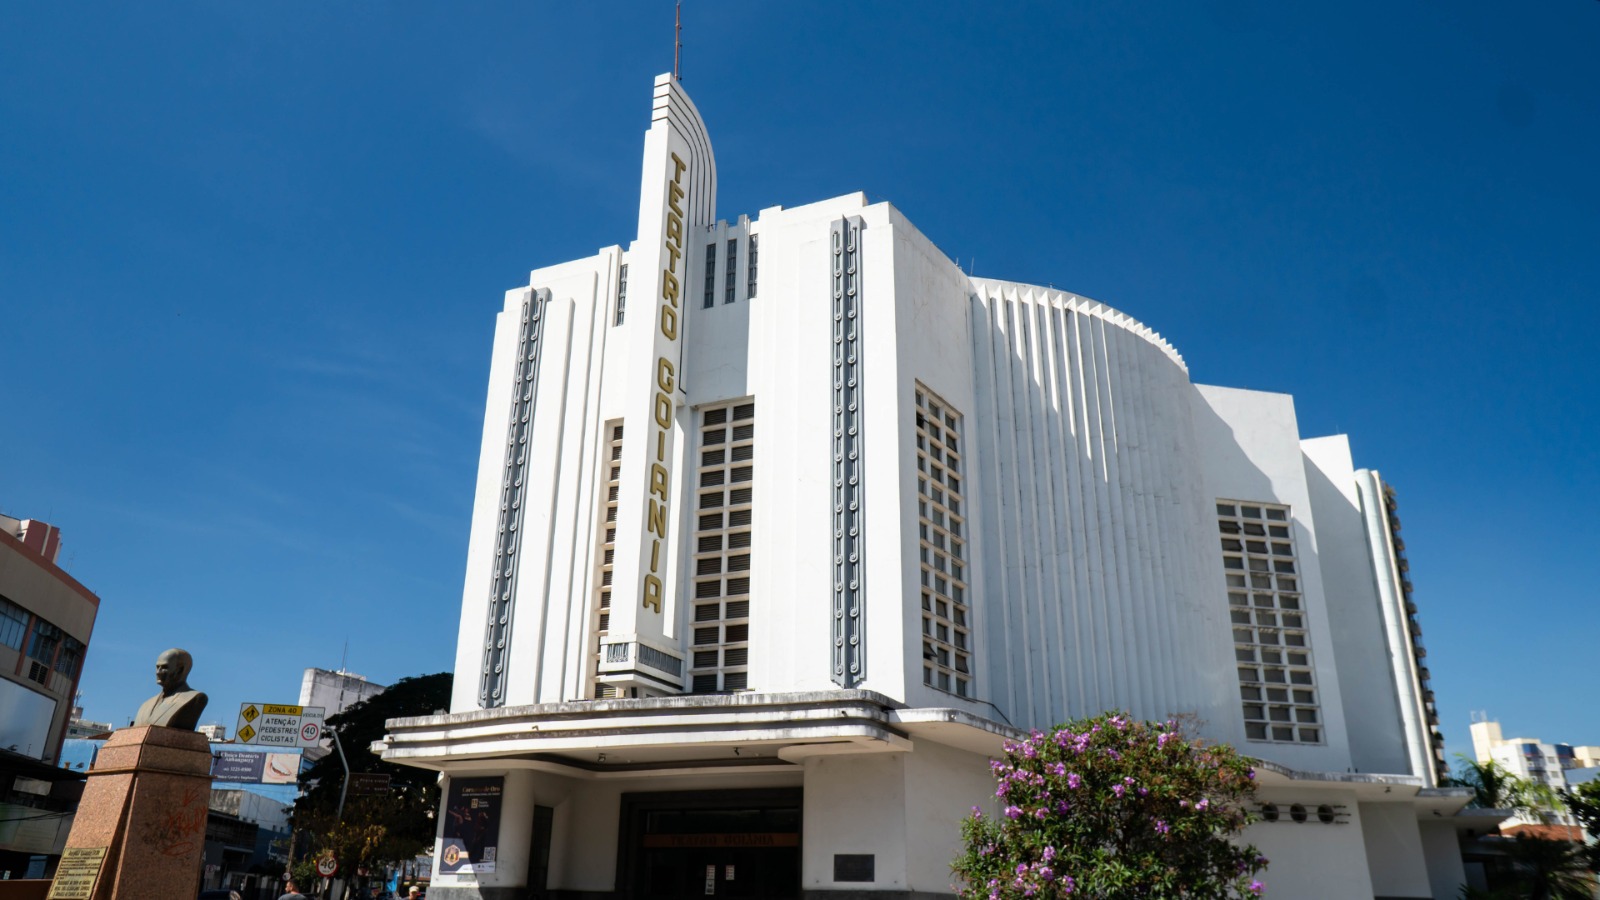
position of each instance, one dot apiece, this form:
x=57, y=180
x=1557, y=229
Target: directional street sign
x=277, y=725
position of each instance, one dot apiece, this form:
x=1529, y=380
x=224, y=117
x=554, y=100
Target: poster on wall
x=471, y=826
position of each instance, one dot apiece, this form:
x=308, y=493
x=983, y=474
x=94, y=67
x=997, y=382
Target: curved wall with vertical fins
x=1096, y=590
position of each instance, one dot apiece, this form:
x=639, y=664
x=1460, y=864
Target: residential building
x=46, y=619
x=1530, y=758
x=784, y=524
x=336, y=690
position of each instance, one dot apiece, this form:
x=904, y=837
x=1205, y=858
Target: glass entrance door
x=723, y=844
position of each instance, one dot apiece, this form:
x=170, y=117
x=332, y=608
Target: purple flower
x=1256, y=886
x=1046, y=873
x=1202, y=805
x=1013, y=812
x=1162, y=827
x=1073, y=781
x=1049, y=853
x=1040, y=813
x=1118, y=789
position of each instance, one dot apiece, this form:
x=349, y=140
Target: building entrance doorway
x=722, y=844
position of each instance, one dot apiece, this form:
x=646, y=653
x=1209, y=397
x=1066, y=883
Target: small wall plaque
x=854, y=867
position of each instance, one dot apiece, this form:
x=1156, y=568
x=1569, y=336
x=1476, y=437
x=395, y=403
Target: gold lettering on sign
x=664, y=405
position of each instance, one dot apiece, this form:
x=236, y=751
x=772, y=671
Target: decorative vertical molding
x=513, y=491
x=849, y=620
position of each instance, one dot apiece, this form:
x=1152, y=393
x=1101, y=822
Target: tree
x=1493, y=787
x=1548, y=870
x=375, y=828
x=1113, y=808
x=1583, y=802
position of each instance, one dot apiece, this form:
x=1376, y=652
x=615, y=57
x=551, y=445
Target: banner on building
x=471, y=826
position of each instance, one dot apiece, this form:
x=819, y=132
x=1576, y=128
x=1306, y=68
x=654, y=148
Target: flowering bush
x=1109, y=808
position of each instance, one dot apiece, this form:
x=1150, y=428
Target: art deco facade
x=783, y=523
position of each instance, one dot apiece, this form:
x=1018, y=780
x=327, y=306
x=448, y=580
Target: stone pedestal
x=146, y=802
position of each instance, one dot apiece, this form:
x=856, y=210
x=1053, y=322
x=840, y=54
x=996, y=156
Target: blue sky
x=250, y=256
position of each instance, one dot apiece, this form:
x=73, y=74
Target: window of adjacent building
x=719, y=657
x=711, y=276
x=732, y=275
x=13, y=624
x=46, y=638
x=622, y=293
x=71, y=655
x=942, y=540
x=1271, y=644
x=750, y=268
x=611, y=468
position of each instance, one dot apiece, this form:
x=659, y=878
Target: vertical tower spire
x=677, y=46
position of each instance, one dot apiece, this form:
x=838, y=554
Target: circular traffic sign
x=310, y=731
x=327, y=866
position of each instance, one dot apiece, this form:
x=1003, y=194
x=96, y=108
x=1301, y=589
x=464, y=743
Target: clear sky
x=250, y=256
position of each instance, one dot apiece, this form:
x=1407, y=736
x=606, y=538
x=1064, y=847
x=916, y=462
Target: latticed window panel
x=1266, y=608
x=947, y=642
x=719, y=652
x=611, y=468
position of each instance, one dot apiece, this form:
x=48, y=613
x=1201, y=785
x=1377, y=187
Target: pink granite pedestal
x=146, y=802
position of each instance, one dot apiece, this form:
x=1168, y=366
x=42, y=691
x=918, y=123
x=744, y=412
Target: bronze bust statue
x=177, y=706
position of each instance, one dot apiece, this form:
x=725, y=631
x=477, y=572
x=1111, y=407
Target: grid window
x=13, y=624
x=611, y=467
x=70, y=657
x=750, y=268
x=732, y=274
x=722, y=560
x=1267, y=612
x=46, y=638
x=711, y=276
x=946, y=616
x=622, y=292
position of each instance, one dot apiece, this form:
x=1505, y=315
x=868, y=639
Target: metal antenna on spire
x=677, y=47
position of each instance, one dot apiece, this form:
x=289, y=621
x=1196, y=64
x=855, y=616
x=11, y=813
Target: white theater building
x=784, y=523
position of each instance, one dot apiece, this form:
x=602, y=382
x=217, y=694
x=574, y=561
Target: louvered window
x=1271, y=647
x=723, y=560
x=611, y=469
x=942, y=540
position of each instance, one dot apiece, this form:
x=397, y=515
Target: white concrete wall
x=1366, y=668
x=855, y=804
x=1249, y=447
x=1441, y=849
x=1395, y=858
x=1312, y=859
x=1099, y=586
x=943, y=784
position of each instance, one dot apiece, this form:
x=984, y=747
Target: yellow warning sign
x=272, y=710
x=249, y=714
x=246, y=733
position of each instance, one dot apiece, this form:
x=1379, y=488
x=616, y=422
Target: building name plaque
x=747, y=839
x=77, y=873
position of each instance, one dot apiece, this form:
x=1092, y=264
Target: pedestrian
x=292, y=894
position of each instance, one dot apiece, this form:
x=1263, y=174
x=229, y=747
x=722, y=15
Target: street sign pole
x=345, y=785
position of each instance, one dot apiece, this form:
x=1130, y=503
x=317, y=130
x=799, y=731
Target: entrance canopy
x=697, y=732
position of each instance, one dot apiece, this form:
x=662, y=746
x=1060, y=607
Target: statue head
x=172, y=669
